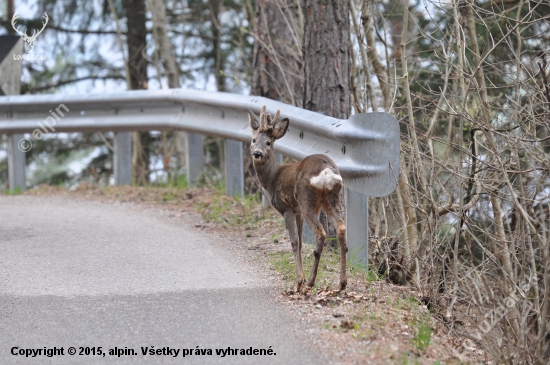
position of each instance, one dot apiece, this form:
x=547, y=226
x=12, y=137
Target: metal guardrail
x=365, y=147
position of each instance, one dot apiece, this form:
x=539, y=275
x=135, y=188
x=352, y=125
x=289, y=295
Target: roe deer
x=299, y=190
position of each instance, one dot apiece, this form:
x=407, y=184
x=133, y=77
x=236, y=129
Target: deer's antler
x=16, y=28
x=272, y=121
x=266, y=120
x=36, y=33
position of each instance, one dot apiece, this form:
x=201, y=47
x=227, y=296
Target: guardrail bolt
x=301, y=134
x=343, y=150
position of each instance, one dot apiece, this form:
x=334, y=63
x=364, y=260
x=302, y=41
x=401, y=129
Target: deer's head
x=26, y=38
x=265, y=131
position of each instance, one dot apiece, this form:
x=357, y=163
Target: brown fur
x=293, y=195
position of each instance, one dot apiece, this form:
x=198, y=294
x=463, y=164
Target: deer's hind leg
x=335, y=210
x=300, y=226
x=310, y=208
x=295, y=240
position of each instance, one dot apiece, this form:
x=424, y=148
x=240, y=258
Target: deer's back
x=313, y=165
x=295, y=178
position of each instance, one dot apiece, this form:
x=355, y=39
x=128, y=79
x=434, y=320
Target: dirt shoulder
x=373, y=322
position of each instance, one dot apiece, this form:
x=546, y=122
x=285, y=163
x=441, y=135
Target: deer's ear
x=254, y=123
x=280, y=128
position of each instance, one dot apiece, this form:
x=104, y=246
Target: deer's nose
x=257, y=155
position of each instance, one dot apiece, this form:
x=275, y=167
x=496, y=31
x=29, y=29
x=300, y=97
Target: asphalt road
x=87, y=274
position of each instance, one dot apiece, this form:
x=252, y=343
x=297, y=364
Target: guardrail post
x=307, y=234
x=194, y=156
x=357, y=223
x=234, y=174
x=123, y=158
x=16, y=164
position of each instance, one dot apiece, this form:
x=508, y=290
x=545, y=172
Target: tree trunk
x=164, y=46
x=417, y=161
x=367, y=16
x=219, y=57
x=10, y=11
x=505, y=255
x=277, y=59
x=136, y=41
x=326, y=49
x=326, y=52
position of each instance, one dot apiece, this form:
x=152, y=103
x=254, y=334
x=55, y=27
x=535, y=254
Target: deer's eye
x=268, y=144
x=254, y=140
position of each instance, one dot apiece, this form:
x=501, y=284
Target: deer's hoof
x=343, y=284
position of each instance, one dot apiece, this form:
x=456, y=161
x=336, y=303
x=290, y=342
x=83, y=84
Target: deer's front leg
x=290, y=221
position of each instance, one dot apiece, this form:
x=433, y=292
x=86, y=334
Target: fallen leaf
x=347, y=324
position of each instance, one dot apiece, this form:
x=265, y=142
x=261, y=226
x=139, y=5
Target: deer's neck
x=267, y=174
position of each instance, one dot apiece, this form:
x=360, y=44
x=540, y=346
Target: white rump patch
x=326, y=179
